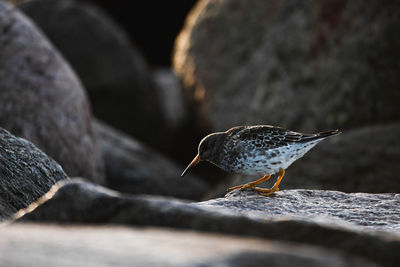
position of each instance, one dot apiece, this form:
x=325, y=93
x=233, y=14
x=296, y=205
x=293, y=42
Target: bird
x=262, y=150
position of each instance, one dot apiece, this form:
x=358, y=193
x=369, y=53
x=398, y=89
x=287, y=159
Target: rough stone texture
x=135, y=168
x=26, y=173
x=302, y=65
x=360, y=160
x=115, y=75
x=42, y=100
x=370, y=211
x=343, y=230
x=122, y=246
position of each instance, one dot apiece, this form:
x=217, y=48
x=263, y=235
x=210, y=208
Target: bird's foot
x=251, y=185
x=269, y=191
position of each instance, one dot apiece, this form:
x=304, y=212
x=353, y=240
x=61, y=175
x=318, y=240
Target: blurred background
x=166, y=74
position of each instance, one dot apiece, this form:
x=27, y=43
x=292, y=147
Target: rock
x=123, y=246
x=329, y=219
x=115, y=75
x=302, y=65
x=369, y=211
x=360, y=160
x=26, y=174
x=184, y=130
x=42, y=100
x=133, y=167
x=170, y=90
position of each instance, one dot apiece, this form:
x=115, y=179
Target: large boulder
x=26, y=174
x=53, y=245
x=302, y=65
x=115, y=75
x=42, y=100
x=133, y=167
x=329, y=219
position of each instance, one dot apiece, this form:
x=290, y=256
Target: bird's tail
x=320, y=135
x=328, y=133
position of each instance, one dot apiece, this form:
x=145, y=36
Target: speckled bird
x=256, y=150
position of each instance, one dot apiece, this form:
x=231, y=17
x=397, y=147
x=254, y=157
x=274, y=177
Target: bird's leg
x=274, y=188
x=251, y=184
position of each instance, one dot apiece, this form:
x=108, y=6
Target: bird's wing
x=266, y=137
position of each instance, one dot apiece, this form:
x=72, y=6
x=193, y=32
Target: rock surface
x=135, y=168
x=302, y=65
x=369, y=211
x=42, y=100
x=341, y=225
x=123, y=246
x=361, y=160
x=114, y=73
x=26, y=174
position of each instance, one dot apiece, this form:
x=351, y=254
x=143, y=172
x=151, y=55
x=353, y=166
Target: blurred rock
x=184, y=131
x=26, y=174
x=360, y=160
x=42, y=100
x=132, y=167
x=171, y=92
x=115, y=75
x=123, y=246
x=325, y=218
x=302, y=65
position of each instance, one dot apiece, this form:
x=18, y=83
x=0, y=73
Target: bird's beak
x=192, y=164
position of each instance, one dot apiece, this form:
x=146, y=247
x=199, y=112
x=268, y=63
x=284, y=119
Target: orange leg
x=270, y=191
x=251, y=185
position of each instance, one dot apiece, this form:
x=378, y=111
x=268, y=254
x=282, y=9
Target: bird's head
x=208, y=150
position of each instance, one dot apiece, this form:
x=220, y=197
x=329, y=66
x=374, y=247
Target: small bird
x=256, y=150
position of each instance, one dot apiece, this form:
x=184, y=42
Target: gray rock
x=302, y=65
x=111, y=68
x=369, y=211
x=123, y=246
x=42, y=100
x=274, y=217
x=135, y=168
x=26, y=174
x=360, y=160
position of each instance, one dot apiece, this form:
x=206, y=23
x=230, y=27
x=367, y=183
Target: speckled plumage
x=264, y=149
x=256, y=150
